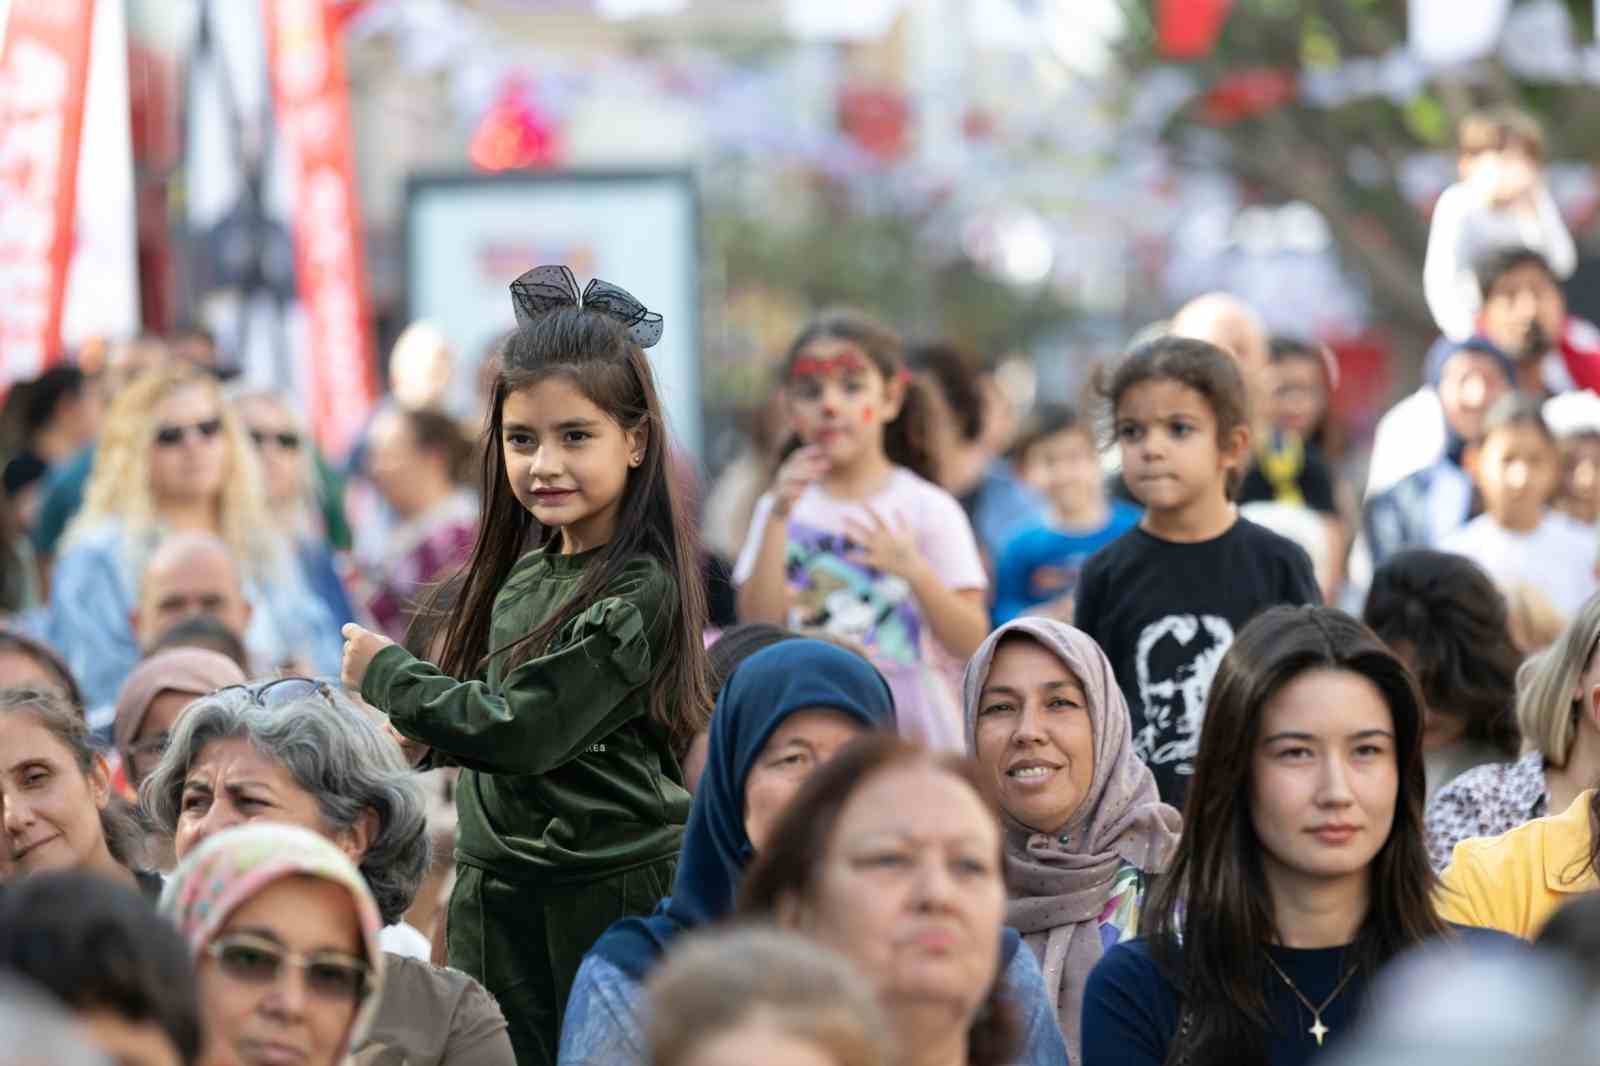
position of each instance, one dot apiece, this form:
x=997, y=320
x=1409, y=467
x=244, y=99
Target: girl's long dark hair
x=1210, y=919
x=592, y=351
x=905, y=440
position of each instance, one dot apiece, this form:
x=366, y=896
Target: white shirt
x=402, y=938
x=1465, y=230
x=1410, y=437
x=1557, y=558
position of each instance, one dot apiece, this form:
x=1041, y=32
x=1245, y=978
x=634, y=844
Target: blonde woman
x=1558, y=708
x=173, y=456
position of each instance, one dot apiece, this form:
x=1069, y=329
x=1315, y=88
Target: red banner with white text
x=44, y=67
x=313, y=111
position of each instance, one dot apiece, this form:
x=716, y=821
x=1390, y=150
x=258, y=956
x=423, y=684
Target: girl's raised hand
x=795, y=476
x=891, y=549
x=360, y=646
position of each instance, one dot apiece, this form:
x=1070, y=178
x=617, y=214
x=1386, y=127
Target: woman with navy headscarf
x=784, y=711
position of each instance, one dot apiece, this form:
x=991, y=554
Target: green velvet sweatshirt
x=565, y=777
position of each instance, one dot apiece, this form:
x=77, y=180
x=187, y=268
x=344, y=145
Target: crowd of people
x=940, y=732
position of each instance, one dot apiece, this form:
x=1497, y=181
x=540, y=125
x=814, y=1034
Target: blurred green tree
x=1346, y=160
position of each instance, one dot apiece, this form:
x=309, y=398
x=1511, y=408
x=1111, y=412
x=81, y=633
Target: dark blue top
x=1130, y=1008
x=1042, y=564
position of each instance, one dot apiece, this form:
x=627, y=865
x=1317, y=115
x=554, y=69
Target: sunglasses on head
x=171, y=436
x=255, y=960
x=288, y=440
x=282, y=690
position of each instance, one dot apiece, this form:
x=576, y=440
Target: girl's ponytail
x=905, y=440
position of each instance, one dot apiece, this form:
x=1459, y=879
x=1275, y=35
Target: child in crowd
x=573, y=672
x=1288, y=466
x=1500, y=202
x=1166, y=599
x=1038, y=570
x=1574, y=418
x=855, y=539
x=966, y=435
x=1301, y=377
x=1518, y=538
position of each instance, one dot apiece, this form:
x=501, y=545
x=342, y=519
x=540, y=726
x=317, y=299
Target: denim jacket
x=95, y=589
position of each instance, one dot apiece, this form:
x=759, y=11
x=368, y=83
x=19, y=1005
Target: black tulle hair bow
x=545, y=288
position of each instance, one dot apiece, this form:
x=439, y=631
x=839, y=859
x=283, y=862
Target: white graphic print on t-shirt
x=1176, y=659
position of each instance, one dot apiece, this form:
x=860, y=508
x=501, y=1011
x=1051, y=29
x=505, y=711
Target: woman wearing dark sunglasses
x=284, y=934
x=304, y=495
x=297, y=751
x=173, y=456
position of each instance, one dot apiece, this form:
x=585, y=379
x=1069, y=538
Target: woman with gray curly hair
x=301, y=752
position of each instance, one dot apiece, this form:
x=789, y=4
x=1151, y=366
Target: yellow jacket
x=1514, y=882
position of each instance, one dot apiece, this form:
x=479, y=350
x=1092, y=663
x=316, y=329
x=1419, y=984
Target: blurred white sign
x=469, y=237
x=848, y=20
x=1446, y=32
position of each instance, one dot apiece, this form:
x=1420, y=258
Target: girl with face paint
x=855, y=539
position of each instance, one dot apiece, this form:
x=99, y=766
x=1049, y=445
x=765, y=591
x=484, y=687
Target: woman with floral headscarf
x=1084, y=825
x=284, y=933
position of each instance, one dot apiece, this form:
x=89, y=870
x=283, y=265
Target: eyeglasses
x=255, y=960
x=172, y=436
x=143, y=755
x=288, y=440
x=282, y=690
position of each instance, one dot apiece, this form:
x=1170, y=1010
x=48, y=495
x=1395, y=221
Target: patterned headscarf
x=228, y=869
x=1060, y=880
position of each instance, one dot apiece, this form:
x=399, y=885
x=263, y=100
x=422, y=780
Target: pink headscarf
x=191, y=671
x=1059, y=881
x=228, y=869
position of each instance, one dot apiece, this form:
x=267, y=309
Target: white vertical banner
x=102, y=296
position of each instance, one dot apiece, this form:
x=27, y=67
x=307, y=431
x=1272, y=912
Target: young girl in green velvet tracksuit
x=572, y=673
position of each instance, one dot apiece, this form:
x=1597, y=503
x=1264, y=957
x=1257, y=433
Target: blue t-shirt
x=1042, y=564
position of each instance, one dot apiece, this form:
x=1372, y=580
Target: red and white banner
x=44, y=67
x=102, y=293
x=312, y=108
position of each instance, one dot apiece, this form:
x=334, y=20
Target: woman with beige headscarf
x=1084, y=825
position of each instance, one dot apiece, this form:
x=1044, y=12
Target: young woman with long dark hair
x=1302, y=868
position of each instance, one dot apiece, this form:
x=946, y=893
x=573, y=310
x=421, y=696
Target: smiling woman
x=55, y=794
x=1084, y=826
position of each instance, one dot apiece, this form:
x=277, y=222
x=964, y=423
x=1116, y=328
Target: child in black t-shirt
x=1165, y=599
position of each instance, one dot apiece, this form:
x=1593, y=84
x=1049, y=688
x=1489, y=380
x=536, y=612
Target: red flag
x=313, y=111
x=1188, y=29
x=1245, y=94
x=44, y=70
x=514, y=133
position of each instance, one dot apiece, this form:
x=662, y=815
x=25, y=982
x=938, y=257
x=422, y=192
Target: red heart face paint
x=868, y=413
